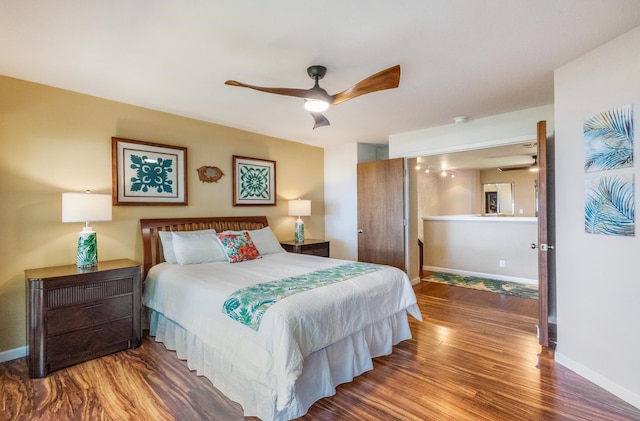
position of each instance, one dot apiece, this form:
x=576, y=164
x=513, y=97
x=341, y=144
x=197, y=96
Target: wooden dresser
x=75, y=315
x=310, y=246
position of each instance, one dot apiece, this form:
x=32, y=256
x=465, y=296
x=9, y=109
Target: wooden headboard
x=152, y=247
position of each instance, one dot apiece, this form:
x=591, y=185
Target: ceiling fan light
x=315, y=105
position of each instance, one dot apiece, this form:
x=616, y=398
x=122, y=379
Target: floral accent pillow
x=238, y=246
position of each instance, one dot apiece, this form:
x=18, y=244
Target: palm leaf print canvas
x=609, y=205
x=608, y=140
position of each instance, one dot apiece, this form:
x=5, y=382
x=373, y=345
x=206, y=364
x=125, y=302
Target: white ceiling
x=458, y=57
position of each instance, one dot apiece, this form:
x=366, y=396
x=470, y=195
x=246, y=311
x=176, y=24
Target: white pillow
x=166, y=238
x=197, y=247
x=266, y=241
x=189, y=247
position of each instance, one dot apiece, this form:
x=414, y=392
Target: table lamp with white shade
x=299, y=208
x=86, y=207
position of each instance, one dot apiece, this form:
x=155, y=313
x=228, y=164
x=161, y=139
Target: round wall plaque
x=209, y=174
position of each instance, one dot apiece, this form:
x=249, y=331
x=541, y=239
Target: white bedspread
x=292, y=329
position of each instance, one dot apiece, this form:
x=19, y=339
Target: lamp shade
x=86, y=207
x=299, y=207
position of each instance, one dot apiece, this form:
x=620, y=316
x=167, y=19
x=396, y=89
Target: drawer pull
x=93, y=306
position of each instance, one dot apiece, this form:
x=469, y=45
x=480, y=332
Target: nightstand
x=74, y=315
x=314, y=247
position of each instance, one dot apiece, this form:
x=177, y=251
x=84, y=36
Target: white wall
x=598, y=276
x=340, y=200
x=341, y=193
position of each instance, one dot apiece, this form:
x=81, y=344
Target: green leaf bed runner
x=248, y=305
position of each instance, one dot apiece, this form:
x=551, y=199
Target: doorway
x=443, y=170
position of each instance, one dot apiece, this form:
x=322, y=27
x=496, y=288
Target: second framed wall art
x=254, y=182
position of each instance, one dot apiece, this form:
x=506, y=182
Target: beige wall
x=446, y=196
x=475, y=246
x=524, y=188
x=462, y=195
x=53, y=141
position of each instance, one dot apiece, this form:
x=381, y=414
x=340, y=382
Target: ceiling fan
x=318, y=100
x=522, y=167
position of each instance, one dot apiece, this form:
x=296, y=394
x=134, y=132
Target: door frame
x=543, y=300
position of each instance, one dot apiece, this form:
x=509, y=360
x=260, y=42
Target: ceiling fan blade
x=386, y=79
x=312, y=93
x=320, y=120
x=522, y=167
x=519, y=168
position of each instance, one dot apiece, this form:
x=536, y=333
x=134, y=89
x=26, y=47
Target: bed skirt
x=322, y=371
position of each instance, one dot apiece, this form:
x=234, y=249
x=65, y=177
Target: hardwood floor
x=474, y=357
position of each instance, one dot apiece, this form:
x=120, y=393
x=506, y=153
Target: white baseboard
x=415, y=281
x=608, y=385
x=482, y=275
x=13, y=354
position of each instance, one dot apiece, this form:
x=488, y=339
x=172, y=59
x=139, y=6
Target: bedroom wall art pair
x=146, y=173
x=609, y=206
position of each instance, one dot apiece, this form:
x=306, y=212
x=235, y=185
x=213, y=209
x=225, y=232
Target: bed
x=273, y=331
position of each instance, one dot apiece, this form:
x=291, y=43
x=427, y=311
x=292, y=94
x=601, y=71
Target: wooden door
x=545, y=227
x=381, y=227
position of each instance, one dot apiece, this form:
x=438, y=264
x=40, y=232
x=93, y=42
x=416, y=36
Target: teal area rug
x=501, y=287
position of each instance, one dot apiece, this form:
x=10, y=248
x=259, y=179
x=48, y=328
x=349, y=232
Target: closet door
x=381, y=227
